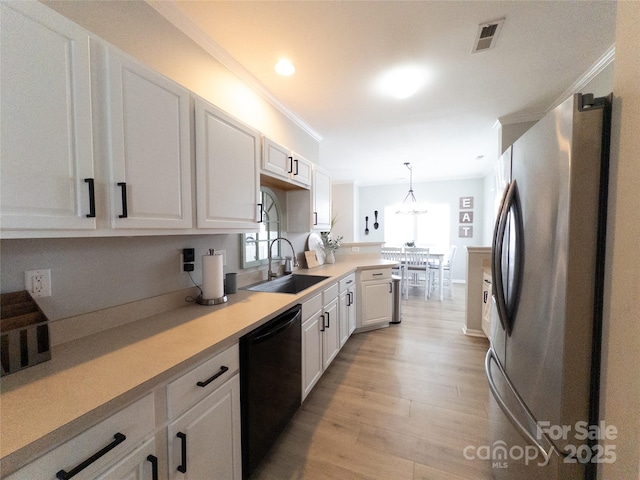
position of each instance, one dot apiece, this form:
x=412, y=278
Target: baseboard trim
x=472, y=332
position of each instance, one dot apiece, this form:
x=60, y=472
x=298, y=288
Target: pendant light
x=410, y=204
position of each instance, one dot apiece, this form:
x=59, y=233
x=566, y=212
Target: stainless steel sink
x=287, y=284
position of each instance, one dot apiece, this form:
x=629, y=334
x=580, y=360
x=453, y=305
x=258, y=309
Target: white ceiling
x=340, y=48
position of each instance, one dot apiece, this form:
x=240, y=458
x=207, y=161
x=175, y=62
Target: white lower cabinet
x=347, y=303
x=98, y=448
x=374, y=299
x=204, y=442
x=141, y=464
x=320, y=336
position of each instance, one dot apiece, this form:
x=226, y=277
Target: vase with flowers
x=330, y=246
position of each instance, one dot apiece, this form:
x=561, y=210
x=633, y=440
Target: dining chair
x=416, y=261
x=447, y=267
x=395, y=254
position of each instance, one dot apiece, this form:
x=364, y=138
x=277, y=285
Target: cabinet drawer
x=347, y=282
x=330, y=294
x=375, y=274
x=311, y=307
x=185, y=391
x=134, y=422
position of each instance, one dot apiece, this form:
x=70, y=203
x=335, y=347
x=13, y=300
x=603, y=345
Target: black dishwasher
x=270, y=383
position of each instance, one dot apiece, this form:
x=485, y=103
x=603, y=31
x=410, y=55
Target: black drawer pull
x=322, y=325
x=290, y=165
x=377, y=274
x=315, y=218
x=328, y=325
x=92, y=198
x=296, y=161
x=64, y=475
x=123, y=185
x=154, y=466
x=209, y=380
x=182, y=468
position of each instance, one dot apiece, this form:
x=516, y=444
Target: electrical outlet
x=355, y=249
x=38, y=282
x=187, y=259
x=224, y=256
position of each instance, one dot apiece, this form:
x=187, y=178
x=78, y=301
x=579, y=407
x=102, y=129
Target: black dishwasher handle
x=278, y=327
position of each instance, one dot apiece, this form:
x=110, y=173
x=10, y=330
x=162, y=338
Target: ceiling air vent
x=487, y=35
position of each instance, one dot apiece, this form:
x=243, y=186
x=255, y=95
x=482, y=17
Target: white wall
x=621, y=340
x=377, y=197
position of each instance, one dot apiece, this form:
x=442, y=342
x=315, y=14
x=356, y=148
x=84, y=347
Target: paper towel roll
x=212, y=282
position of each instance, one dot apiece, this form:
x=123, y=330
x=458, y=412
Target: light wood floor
x=397, y=403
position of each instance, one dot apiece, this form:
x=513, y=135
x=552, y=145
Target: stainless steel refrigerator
x=547, y=267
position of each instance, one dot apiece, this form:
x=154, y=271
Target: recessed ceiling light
x=285, y=68
x=402, y=82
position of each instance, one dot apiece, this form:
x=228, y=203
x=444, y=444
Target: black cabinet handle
x=350, y=299
x=315, y=218
x=377, y=274
x=123, y=186
x=296, y=161
x=209, y=380
x=290, y=165
x=328, y=320
x=261, y=213
x=322, y=325
x=64, y=475
x=92, y=198
x=390, y=287
x=182, y=468
x=154, y=466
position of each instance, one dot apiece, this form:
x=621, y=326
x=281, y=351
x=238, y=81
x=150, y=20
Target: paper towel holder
x=210, y=301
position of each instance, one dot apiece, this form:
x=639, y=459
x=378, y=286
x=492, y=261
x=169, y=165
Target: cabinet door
x=331, y=334
x=321, y=200
x=204, y=443
x=311, y=352
x=376, y=302
x=141, y=464
x=46, y=144
x=302, y=170
x=276, y=159
x=150, y=147
x=227, y=173
x=344, y=317
x=352, y=309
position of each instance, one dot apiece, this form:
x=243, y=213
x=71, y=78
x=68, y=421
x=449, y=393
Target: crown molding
x=602, y=63
x=172, y=13
x=521, y=117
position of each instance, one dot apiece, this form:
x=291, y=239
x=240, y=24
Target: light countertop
x=89, y=379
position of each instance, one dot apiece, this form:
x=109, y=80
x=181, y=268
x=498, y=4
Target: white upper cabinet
x=150, y=147
x=321, y=200
x=302, y=170
x=46, y=143
x=227, y=171
x=276, y=159
x=280, y=162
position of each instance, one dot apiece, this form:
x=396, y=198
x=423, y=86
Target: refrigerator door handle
x=491, y=355
x=507, y=311
x=496, y=258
